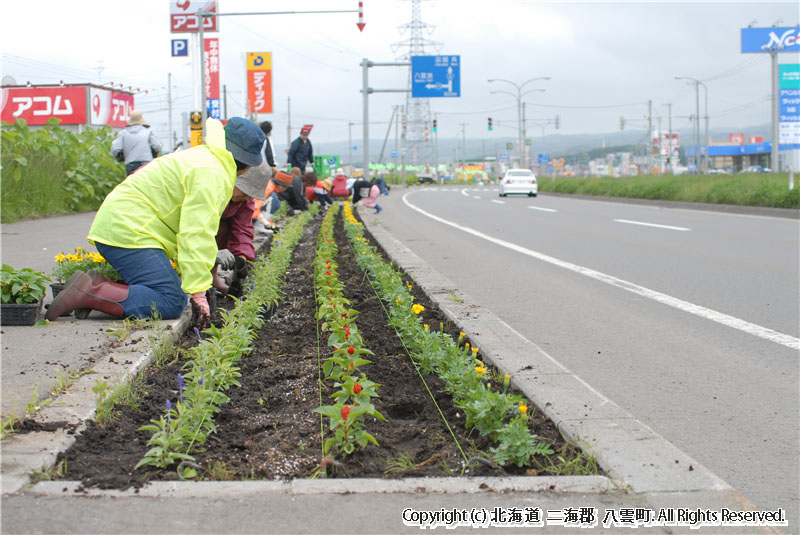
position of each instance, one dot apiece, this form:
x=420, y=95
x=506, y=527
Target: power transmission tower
x=418, y=110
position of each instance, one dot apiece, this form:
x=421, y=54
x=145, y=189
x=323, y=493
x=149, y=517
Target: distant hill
x=556, y=145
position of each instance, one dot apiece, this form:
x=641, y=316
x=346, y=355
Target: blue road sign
x=435, y=76
x=180, y=47
x=760, y=40
x=394, y=154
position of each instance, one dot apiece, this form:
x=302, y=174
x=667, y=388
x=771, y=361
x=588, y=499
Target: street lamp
x=518, y=95
x=697, y=84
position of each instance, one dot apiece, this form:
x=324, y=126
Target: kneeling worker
x=169, y=209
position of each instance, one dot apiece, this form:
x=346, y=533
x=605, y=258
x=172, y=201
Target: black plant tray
x=20, y=314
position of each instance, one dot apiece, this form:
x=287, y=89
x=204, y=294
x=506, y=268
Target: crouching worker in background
x=235, y=234
x=367, y=191
x=170, y=208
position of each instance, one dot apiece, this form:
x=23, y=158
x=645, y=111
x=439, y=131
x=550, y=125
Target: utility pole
x=350, y=143
x=169, y=100
x=436, y=149
x=225, y=101
x=773, y=157
x=524, y=134
x=669, y=144
x=650, y=136
x=288, y=124
x=464, y=146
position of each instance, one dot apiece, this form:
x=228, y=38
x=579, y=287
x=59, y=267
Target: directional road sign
x=435, y=76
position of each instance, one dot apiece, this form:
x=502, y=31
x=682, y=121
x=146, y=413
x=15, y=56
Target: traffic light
x=490, y=123
x=434, y=125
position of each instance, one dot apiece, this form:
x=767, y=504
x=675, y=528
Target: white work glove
x=225, y=259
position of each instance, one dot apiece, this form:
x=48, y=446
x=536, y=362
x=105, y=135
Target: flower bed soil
x=268, y=430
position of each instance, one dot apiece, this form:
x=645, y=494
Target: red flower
x=345, y=412
x=351, y=350
x=347, y=333
x=356, y=388
x=327, y=261
x=328, y=273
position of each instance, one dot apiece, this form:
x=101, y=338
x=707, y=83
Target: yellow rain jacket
x=174, y=203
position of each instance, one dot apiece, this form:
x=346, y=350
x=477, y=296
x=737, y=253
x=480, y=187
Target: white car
x=519, y=181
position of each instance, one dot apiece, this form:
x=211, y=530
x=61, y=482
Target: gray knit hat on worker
x=254, y=181
x=244, y=139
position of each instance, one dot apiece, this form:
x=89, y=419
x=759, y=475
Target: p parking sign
x=180, y=47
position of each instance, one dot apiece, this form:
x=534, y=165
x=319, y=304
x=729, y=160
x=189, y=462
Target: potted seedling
x=22, y=295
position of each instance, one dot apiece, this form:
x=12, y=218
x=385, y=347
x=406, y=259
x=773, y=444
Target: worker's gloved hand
x=225, y=259
x=239, y=275
x=201, y=312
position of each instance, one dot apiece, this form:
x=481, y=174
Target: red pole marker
x=361, y=22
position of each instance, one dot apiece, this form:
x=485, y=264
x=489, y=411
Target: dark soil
x=268, y=430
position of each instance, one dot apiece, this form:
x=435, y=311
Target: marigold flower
x=345, y=412
x=425, y=326
x=523, y=409
x=357, y=388
x=461, y=335
x=474, y=351
x=351, y=350
x=480, y=369
x=417, y=309
x=506, y=378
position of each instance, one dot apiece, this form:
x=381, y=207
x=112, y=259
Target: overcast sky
x=605, y=59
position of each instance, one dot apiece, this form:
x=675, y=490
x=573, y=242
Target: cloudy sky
x=606, y=60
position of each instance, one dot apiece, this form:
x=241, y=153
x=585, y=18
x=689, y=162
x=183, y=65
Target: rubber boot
x=81, y=294
x=97, y=278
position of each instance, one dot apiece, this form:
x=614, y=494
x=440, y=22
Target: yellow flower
x=506, y=378
x=60, y=257
x=417, y=309
x=480, y=369
x=461, y=335
x=425, y=325
x=467, y=346
x=474, y=351
x=523, y=409
x=480, y=362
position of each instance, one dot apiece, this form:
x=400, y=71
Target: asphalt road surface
x=688, y=319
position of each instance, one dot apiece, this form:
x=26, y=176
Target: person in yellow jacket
x=168, y=209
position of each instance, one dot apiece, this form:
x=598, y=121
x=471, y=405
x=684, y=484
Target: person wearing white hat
x=136, y=144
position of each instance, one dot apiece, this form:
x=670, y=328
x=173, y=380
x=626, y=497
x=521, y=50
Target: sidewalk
x=646, y=472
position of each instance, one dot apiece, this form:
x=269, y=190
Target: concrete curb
x=23, y=454
x=633, y=455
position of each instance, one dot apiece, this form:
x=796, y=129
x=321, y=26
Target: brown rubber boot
x=97, y=278
x=83, y=295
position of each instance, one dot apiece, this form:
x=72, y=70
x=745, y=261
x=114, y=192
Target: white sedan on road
x=519, y=181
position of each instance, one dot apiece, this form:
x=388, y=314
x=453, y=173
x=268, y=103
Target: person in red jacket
x=235, y=234
x=339, y=189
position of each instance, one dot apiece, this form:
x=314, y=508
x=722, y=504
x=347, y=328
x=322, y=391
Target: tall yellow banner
x=259, y=82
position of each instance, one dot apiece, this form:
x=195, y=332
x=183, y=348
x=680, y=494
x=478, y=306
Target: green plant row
x=353, y=399
x=758, y=189
x=498, y=414
x=51, y=170
x=212, y=367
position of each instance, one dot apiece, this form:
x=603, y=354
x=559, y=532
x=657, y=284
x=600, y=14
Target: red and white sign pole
x=361, y=22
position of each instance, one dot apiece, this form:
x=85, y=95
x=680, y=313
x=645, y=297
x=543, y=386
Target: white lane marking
x=476, y=197
x=542, y=209
x=558, y=364
x=465, y=192
x=629, y=222
x=698, y=310
x=499, y=202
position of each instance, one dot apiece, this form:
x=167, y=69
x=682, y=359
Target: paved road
x=687, y=319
